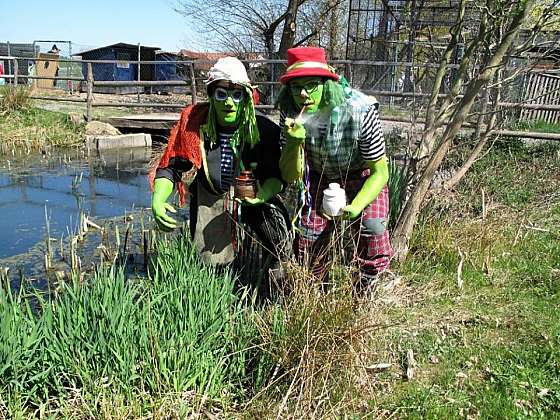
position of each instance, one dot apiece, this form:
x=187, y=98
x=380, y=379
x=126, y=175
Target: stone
x=98, y=128
x=120, y=141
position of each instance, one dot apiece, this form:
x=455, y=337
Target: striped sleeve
x=371, y=142
x=281, y=124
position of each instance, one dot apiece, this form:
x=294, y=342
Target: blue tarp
x=167, y=71
x=118, y=72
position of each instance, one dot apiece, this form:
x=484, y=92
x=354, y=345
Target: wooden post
x=16, y=71
x=138, y=76
x=350, y=74
x=70, y=68
x=9, y=61
x=193, y=84
x=89, y=110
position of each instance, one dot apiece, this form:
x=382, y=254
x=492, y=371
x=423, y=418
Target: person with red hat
x=212, y=143
x=331, y=134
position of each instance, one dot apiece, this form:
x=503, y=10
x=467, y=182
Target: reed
x=183, y=329
x=31, y=129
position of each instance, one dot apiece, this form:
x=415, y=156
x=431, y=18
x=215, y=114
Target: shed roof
x=204, y=55
x=117, y=45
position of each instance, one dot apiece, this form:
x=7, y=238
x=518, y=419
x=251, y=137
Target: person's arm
x=370, y=190
x=163, y=188
x=292, y=158
x=372, y=150
x=265, y=192
x=267, y=169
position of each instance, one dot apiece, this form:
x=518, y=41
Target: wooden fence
x=542, y=98
x=543, y=91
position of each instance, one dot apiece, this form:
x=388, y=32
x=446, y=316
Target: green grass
x=492, y=348
x=184, y=341
x=182, y=333
x=35, y=129
x=539, y=125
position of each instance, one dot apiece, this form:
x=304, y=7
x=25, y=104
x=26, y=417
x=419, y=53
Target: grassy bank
x=25, y=127
x=468, y=327
x=34, y=129
x=478, y=303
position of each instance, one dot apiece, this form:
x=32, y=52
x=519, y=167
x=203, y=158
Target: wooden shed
x=126, y=70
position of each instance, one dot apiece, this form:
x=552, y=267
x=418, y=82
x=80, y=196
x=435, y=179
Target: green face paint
x=229, y=102
x=308, y=92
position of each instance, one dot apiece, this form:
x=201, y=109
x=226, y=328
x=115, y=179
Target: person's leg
x=374, y=251
x=311, y=244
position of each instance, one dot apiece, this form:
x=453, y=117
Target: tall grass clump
x=184, y=329
x=315, y=340
x=14, y=98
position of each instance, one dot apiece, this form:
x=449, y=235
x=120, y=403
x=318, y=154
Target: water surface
x=37, y=188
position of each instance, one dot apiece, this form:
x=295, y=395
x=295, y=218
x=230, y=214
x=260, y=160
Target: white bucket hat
x=230, y=69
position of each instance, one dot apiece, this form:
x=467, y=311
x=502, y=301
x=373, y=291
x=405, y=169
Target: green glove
x=162, y=190
x=370, y=190
x=292, y=159
x=266, y=191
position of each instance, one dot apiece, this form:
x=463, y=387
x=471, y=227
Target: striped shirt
x=370, y=142
x=227, y=162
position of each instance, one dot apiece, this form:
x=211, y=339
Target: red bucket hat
x=307, y=61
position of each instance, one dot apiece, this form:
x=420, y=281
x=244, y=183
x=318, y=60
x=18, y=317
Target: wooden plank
x=138, y=105
x=139, y=124
x=58, y=99
x=193, y=84
x=89, y=108
x=554, y=100
x=141, y=83
x=16, y=72
x=529, y=134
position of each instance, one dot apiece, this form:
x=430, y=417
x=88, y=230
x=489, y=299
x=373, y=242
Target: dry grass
x=13, y=98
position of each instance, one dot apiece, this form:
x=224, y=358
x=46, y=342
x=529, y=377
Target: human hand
x=162, y=190
x=265, y=192
x=294, y=130
x=351, y=212
x=252, y=201
x=164, y=222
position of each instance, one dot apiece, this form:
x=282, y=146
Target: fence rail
x=535, y=104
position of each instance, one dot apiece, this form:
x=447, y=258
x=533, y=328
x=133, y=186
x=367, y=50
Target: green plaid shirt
x=331, y=145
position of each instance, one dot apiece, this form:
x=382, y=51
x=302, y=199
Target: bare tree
x=487, y=51
x=270, y=26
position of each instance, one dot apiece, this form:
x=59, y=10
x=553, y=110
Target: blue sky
x=95, y=23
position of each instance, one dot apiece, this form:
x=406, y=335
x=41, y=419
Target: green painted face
x=229, y=102
x=308, y=92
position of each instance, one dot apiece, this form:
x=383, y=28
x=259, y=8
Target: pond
x=40, y=190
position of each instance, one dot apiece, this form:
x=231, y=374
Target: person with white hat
x=332, y=135
x=214, y=142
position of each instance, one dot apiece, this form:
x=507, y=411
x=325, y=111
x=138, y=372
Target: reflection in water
x=101, y=185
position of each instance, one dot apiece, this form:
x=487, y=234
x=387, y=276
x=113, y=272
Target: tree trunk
x=289, y=30
x=408, y=218
x=461, y=172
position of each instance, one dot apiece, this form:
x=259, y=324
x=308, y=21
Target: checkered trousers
x=319, y=240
